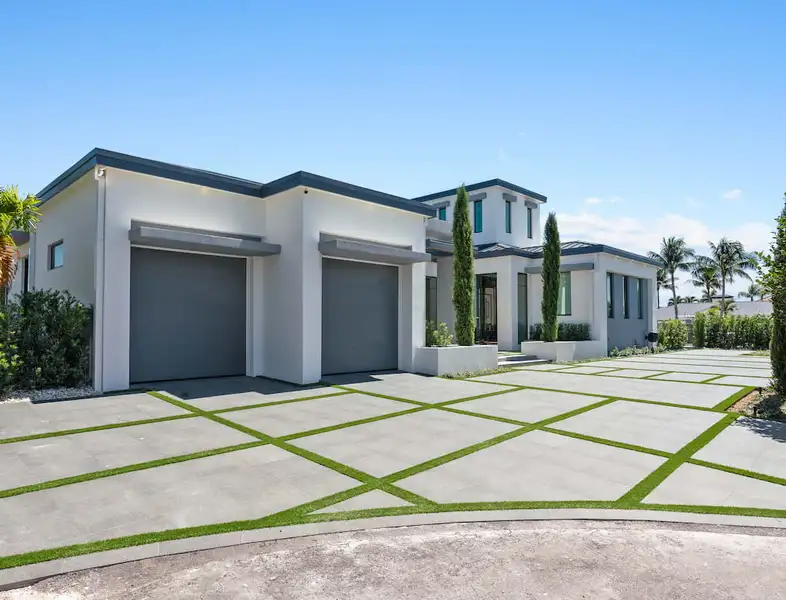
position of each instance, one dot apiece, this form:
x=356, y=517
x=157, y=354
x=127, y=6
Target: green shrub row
x=672, y=334
x=44, y=341
x=629, y=351
x=749, y=332
x=566, y=332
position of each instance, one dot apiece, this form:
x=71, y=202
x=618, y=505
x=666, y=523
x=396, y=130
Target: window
x=626, y=297
x=640, y=297
x=56, y=255
x=529, y=222
x=610, y=295
x=507, y=217
x=26, y=274
x=478, y=215
x=431, y=301
x=443, y=213
x=563, y=301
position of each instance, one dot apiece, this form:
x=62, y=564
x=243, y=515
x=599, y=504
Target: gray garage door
x=188, y=315
x=359, y=317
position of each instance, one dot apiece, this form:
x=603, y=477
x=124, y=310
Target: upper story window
x=564, y=301
x=443, y=213
x=610, y=295
x=55, y=255
x=477, y=211
x=626, y=296
x=529, y=222
x=508, y=223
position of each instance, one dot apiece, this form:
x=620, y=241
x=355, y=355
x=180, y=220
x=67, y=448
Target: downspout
x=99, y=175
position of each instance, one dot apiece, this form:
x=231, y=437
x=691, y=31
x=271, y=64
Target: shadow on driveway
x=193, y=389
x=775, y=430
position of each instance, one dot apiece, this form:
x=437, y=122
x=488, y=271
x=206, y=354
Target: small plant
x=631, y=351
x=438, y=336
x=672, y=334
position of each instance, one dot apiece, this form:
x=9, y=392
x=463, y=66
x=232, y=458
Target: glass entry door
x=522, y=308
x=486, y=308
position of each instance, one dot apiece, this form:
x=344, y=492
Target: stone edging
x=29, y=574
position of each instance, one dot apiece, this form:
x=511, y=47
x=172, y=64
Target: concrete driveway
x=207, y=463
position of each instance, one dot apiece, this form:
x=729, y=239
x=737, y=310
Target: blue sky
x=636, y=119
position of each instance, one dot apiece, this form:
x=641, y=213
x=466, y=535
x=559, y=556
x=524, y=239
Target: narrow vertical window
x=563, y=302
x=640, y=296
x=529, y=222
x=626, y=297
x=610, y=295
x=56, y=257
x=443, y=213
x=478, y=214
x=508, y=224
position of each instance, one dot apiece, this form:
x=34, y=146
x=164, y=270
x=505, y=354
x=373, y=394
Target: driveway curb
x=29, y=574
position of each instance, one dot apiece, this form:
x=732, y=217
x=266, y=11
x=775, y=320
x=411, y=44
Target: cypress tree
x=463, y=271
x=550, y=276
x=775, y=283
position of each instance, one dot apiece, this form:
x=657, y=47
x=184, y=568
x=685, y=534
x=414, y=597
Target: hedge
x=744, y=332
x=672, y=334
x=44, y=341
x=566, y=332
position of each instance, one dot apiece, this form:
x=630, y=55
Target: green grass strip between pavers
x=642, y=489
x=61, y=433
x=83, y=477
x=733, y=399
x=277, y=403
x=736, y=471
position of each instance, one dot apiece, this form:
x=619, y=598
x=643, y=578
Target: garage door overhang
x=367, y=250
x=169, y=237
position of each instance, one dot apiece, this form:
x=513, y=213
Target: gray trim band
x=587, y=266
x=171, y=238
x=341, y=247
x=509, y=197
x=477, y=197
x=443, y=204
x=530, y=204
x=486, y=184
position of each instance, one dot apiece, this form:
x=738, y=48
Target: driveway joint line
x=231, y=409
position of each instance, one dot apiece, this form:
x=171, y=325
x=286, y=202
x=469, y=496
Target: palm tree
x=754, y=291
x=678, y=300
x=726, y=305
x=704, y=275
x=675, y=256
x=16, y=214
x=690, y=299
x=662, y=282
x=732, y=261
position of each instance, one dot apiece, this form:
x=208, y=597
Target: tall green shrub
x=463, y=271
x=774, y=282
x=672, y=334
x=550, y=275
x=700, y=330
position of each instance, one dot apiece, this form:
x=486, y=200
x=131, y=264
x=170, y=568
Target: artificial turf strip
x=51, y=434
x=642, y=489
x=733, y=399
x=736, y=471
x=276, y=403
x=37, y=487
x=605, y=442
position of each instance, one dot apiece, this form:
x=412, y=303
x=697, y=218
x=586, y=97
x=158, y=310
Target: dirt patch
x=762, y=404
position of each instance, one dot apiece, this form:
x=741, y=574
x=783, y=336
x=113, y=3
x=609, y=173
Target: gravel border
x=46, y=395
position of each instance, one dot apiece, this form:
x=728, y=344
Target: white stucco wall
x=338, y=215
x=132, y=196
x=581, y=298
x=69, y=216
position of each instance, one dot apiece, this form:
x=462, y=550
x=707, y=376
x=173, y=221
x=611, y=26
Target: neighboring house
x=196, y=274
x=687, y=310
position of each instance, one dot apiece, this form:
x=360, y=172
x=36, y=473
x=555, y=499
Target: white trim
x=100, y=262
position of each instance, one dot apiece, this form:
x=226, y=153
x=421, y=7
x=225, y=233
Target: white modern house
x=196, y=274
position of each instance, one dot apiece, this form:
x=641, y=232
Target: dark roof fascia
x=146, y=166
x=588, y=249
x=485, y=184
x=333, y=186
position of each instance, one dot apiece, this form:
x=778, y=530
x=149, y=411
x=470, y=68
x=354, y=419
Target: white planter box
x=565, y=351
x=434, y=360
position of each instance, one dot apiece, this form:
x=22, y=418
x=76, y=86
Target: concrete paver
x=654, y=365
x=687, y=377
x=241, y=485
x=701, y=362
x=26, y=418
x=34, y=461
x=582, y=370
x=535, y=466
x=659, y=427
x=762, y=382
x=751, y=444
x=411, y=386
x=387, y=446
x=372, y=499
x=284, y=419
x=529, y=406
x=542, y=367
x=692, y=484
x=635, y=373
x=639, y=389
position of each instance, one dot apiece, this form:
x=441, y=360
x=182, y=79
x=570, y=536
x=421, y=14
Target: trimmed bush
x=630, y=351
x=735, y=331
x=566, y=332
x=672, y=334
x=44, y=341
x=463, y=271
x=550, y=276
x=700, y=330
x=439, y=335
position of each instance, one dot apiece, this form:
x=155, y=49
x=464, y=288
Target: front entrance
x=522, y=308
x=486, y=308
